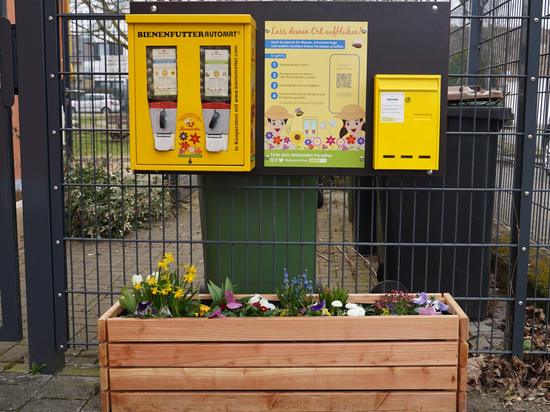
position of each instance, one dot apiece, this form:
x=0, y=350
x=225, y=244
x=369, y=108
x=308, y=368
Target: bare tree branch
x=111, y=29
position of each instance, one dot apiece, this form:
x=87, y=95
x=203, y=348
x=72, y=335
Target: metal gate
x=91, y=224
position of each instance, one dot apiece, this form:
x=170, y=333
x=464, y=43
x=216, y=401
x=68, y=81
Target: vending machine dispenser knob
x=162, y=119
x=214, y=120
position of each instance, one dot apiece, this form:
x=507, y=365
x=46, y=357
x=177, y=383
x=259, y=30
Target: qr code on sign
x=343, y=80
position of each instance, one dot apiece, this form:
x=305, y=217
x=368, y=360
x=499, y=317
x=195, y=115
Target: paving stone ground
x=25, y=392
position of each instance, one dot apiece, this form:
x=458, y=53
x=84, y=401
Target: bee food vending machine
x=191, y=92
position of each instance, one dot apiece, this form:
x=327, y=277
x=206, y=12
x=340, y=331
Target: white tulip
x=255, y=299
x=351, y=305
x=266, y=304
x=357, y=311
x=336, y=304
x=155, y=274
x=137, y=279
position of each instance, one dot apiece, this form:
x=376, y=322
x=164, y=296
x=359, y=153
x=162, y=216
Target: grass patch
x=88, y=144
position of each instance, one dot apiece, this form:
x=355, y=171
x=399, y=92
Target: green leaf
x=128, y=300
x=215, y=291
x=228, y=285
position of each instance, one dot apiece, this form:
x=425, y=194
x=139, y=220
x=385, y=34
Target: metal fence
x=480, y=232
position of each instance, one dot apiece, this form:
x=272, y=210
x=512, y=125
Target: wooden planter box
x=377, y=363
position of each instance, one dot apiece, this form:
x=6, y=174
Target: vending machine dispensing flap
x=216, y=95
x=406, y=122
x=162, y=95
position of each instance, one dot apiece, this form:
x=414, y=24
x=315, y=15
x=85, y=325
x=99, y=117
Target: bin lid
x=469, y=111
x=465, y=94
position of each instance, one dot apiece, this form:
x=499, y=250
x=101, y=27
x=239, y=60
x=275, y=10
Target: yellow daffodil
x=385, y=311
x=203, y=309
x=168, y=288
x=190, y=273
x=155, y=291
x=168, y=257
x=165, y=292
x=178, y=293
x=163, y=264
x=325, y=312
x=151, y=280
x=137, y=286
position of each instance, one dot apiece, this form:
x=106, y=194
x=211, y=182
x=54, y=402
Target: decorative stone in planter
x=343, y=363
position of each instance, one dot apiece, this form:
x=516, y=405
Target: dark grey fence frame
x=41, y=87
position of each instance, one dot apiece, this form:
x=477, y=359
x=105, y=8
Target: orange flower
x=350, y=139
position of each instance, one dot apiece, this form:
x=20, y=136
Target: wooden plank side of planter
x=463, y=334
x=334, y=378
x=105, y=401
x=391, y=328
x=112, y=312
x=438, y=353
x=283, y=401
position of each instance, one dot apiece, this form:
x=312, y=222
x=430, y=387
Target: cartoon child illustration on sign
x=353, y=129
x=277, y=119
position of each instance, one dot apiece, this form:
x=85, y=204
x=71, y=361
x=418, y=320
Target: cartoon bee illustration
x=298, y=112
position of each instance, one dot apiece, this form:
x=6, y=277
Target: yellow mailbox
x=406, y=122
x=191, y=92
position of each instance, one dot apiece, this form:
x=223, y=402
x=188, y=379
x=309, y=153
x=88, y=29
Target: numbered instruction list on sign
x=315, y=94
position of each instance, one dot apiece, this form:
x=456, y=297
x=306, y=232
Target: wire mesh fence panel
x=454, y=233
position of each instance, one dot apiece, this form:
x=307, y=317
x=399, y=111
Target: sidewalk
x=25, y=392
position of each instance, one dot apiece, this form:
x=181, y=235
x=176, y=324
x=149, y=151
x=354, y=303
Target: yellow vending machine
x=191, y=92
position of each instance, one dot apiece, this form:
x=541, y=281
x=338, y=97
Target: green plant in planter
x=335, y=299
x=394, y=303
x=102, y=202
x=294, y=294
x=164, y=293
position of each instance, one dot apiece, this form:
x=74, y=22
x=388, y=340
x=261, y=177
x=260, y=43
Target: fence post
x=37, y=51
x=473, y=43
x=525, y=160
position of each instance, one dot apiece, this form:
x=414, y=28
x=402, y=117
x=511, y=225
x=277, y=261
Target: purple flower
x=421, y=299
x=361, y=140
x=318, y=306
x=145, y=309
x=285, y=279
x=216, y=314
x=307, y=142
x=439, y=306
x=230, y=301
x=269, y=135
x=428, y=311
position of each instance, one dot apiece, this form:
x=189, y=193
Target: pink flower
x=428, y=311
x=216, y=314
x=230, y=300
